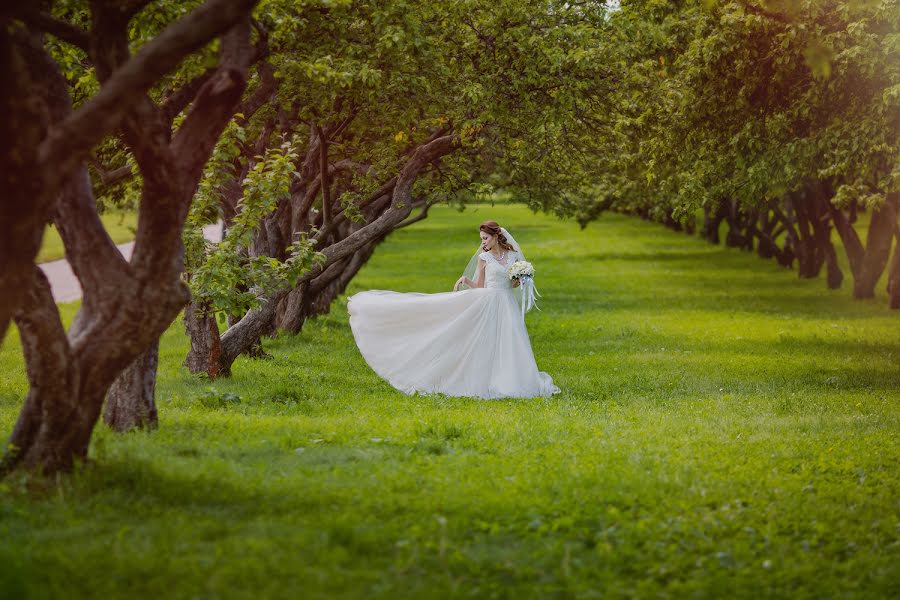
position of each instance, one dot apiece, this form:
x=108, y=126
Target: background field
x=725, y=430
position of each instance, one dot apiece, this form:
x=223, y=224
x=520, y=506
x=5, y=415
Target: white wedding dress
x=467, y=343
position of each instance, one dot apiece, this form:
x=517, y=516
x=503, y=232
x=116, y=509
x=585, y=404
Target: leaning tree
x=126, y=304
x=383, y=108
x=355, y=114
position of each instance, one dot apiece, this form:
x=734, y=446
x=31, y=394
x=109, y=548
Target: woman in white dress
x=468, y=342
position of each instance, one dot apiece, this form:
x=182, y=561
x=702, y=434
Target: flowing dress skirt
x=469, y=343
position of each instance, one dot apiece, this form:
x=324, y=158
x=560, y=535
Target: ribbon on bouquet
x=529, y=294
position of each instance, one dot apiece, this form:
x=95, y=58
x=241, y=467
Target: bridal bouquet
x=520, y=269
x=523, y=271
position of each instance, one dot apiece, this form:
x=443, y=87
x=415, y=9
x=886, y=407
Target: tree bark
x=256, y=349
x=893, y=285
x=737, y=236
x=130, y=402
x=206, y=346
x=878, y=247
x=243, y=335
x=25, y=204
x=126, y=305
x=711, y=224
x=292, y=312
x=868, y=262
x=39, y=435
x=835, y=277
x=810, y=258
x=34, y=167
x=766, y=233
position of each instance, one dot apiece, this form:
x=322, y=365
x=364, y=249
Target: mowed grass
x=725, y=430
x=120, y=225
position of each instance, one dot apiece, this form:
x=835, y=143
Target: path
x=65, y=285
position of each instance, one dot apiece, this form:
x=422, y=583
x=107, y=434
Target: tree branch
x=89, y=249
x=48, y=362
x=179, y=99
x=215, y=103
x=113, y=177
x=419, y=217
x=323, y=174
x=66, y=32
x=71, y=140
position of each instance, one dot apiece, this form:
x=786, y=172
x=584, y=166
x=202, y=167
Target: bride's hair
x=493, y=228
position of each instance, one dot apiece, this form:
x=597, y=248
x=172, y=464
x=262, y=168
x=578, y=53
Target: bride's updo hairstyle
x=493, y=228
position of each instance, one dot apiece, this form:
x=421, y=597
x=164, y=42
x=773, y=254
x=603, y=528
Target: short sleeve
x=484, y=256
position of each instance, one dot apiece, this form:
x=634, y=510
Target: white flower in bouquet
x=520, y=269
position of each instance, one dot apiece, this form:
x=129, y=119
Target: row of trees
x=315, y=129
x=780, y=118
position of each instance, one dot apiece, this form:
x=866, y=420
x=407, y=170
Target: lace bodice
x=494, y=272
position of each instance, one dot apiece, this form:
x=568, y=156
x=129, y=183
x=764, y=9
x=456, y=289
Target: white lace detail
x=495, y=272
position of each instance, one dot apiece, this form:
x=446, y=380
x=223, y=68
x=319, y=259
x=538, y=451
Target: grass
x=120, y=225
x=725, y=430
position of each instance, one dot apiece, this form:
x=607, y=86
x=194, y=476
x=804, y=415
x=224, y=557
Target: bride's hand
x=458, y=283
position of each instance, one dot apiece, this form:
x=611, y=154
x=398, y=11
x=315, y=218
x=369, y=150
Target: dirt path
x=65, y=285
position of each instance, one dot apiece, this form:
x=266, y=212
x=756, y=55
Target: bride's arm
x=479, y=274
x=479, y=278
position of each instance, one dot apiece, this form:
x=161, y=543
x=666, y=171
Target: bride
x=462, y=343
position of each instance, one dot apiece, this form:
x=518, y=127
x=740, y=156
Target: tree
x=392, y=107
x=126, y=305
x=782, y=123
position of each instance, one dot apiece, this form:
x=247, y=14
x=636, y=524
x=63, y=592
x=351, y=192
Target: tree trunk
x=835, y=276
x=736, y=236
x=292, y=312
x=25, y=205
x=37, y=437
x=256, y=348
x=867, y=263
x=126, y=305
x=893, y=286
x=765, y=233
x=810, y=256
x=878, y=248
x=206, y=345
x=712, y=219
x=821, y=224
x=243, y=335
x=130, y=402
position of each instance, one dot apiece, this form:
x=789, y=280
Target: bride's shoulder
x=484, y=256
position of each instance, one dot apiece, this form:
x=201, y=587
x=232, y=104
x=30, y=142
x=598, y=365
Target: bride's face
x=488, y=241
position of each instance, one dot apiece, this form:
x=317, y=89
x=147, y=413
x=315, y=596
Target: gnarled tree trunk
x=125, y=306
x=131, y=400
x=893, y=285
x=38, y=437
x=712, y=219
x=292, y=312
x=868, y=262
x=810, y=256
x=206, y=346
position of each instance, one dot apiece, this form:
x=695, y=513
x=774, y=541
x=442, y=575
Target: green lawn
x=119, y=224
x=725, y=430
